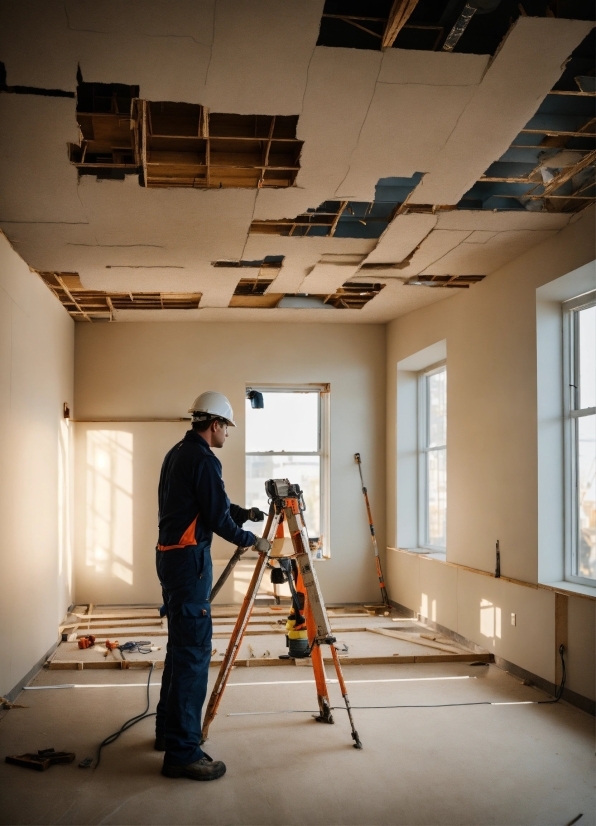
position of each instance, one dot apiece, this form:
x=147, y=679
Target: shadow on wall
x=109, y=504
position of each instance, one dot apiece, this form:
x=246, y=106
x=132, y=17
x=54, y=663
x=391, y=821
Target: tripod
x=286, y=503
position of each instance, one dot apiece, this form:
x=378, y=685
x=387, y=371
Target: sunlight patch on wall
x=109, y=532
x=490, y=620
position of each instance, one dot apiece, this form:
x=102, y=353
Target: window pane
x=302, y=470
x=437, y=498
x=436, y=387
x=587, y=357
x=586, y=496
x=288, y=422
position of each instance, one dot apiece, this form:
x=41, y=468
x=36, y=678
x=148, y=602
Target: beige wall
x=490, y=335
x=131, y=370
x=36, y=378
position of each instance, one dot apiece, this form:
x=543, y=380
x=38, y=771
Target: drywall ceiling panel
x=186, y=19
x=113, y=42
x=212, y=224
x=328, y=276
x=31, y=28
x=135, y=59
x=433, y=249
x=401, y=237
x=261, y=52
x=480, y=236
x=300, y=255
x=406, y=127
x=340, y=87
x=501, y=221
x=142, y=280
x=482, y=259
x=526, y=67
x=38, y=181
x=432, y=68
x=397, y=299
x=49, y=246
x=218, y=288
x=158, y=315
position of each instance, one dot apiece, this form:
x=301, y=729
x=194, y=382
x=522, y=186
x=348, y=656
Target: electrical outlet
x=513, y=619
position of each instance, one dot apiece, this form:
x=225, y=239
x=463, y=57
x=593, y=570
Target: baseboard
x=571, y=697
x=16, y=690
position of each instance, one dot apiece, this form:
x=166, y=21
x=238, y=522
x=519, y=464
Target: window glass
x=289, y=422
x=302, y=470
x=437, y=498
x=586, y=496
x=587, y=357
x=437, y=408
x=283, y=442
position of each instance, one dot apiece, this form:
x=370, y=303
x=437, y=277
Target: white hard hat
x=212, y=404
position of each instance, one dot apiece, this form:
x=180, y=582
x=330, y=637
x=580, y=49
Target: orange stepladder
x=286, y=504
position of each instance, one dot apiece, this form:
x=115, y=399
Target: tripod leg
x=325, y=715
x=344, y=692
x=316, y=656
x=238, y=632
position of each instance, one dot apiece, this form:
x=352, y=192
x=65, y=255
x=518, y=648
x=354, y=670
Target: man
x=192, y=506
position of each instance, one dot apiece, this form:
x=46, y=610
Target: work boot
x=160, y=743
x=203, y=769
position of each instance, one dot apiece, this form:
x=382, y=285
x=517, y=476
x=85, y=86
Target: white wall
x=144, y=370
x=36, y=378
x=492, y=465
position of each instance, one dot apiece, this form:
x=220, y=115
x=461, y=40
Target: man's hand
x=262, y=545
x=256, y=515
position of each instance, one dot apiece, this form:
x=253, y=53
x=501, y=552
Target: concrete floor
x=505, y=765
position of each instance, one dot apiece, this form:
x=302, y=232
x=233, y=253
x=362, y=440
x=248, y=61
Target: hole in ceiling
x=449, y=281
x=346, y=219
x=472, y=26
x=551, y=164
x=351, y=296
x=271, y=262
x=180, y=144
x=99, y=305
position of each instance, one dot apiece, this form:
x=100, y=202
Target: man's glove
x=262, y=545
x=256, y=515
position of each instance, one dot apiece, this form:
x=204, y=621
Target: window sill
x=440, y=555
x=572, y=588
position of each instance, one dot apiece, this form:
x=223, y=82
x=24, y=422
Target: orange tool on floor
x=372, y=535
x=87, y=641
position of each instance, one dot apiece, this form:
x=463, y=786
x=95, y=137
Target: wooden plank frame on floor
x=129, y=622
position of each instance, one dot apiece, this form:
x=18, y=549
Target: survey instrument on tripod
x=287, y=506
x=372, y=535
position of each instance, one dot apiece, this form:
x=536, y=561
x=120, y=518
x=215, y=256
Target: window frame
x=323, y=451
x=423, y=451
x=571, y=414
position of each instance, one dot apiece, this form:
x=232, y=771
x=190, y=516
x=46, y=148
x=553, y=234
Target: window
x=432, y=458
x=580, y=438
x=286, y=439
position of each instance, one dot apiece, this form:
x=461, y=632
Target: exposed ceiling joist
x=398, y=17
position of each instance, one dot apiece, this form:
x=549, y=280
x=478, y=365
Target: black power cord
x=129, y=723
x=558, y=695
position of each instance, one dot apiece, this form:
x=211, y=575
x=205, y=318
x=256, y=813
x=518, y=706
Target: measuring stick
x=373, y=536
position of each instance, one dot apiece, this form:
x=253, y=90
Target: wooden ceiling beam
x=398, y=17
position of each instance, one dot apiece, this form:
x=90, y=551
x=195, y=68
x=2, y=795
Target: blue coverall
x=192, y=506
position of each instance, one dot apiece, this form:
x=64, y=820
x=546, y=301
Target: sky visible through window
x=286, y=427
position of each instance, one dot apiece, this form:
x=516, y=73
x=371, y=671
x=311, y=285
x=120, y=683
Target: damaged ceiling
x=224, y=160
